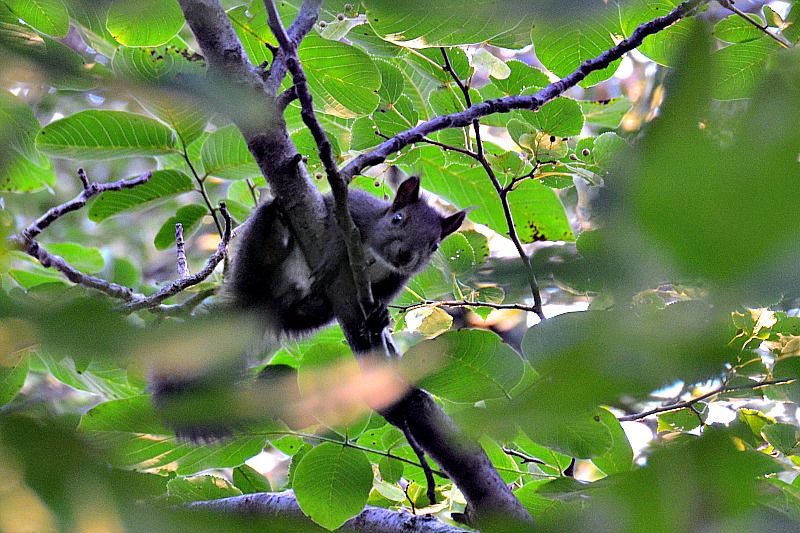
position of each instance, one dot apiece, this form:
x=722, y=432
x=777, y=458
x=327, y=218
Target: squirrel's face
x=410, y=236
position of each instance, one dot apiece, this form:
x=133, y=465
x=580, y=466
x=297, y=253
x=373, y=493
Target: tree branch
x=288, y=43
x=502, y=192
x=690, y=403
x=284, y=505
x=183, y=283
x=504, y=105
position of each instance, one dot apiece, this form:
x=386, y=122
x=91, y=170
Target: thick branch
x=284, y=505
x=509, y=103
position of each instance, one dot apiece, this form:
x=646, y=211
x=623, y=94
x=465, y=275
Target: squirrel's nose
x=404, y=257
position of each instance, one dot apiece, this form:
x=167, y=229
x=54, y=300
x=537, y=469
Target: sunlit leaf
x=332, y=484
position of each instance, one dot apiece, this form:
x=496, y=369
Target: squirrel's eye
x=397, y=218
x=435, y=246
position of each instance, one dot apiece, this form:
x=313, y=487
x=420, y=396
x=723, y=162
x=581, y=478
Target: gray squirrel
x=270, y=278
x=269, y=274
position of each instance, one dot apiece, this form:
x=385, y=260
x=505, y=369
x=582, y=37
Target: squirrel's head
x=410, y=231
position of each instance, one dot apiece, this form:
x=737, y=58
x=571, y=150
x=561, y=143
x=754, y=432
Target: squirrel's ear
x=453, y=222
x=407, y=193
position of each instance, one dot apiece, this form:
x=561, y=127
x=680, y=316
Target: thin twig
x=89, y=190
x=423, y=462
x=183, y=283
x=463, y=303
x=180, y=246
x=502, y=192
x=525, y=458
x=689, y=403
x=780, y=39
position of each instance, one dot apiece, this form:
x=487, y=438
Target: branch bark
x=284, y=505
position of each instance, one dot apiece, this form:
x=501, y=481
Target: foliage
x=686, y=262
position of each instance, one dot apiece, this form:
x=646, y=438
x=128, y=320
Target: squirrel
x=270, y=278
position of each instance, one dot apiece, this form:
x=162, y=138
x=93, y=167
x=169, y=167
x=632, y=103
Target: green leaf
x=537, y=211
x=343, y=80
x=332, y=484
x=464, y=366
x=19, y=174
x=163, y=184
x=389, y=491
x=583, y=436
x=200, y=488
x=562, y=47
x=495, y=67
x=144, y=22
x=153, y=66
x=492, y=22
x=783, y=437
x=225, y=155
x=249, y=480
x=619, y=457
x=740, y=67
x=734, y=29
x=104, y=379
x=36, y=275
x=98, y=135
x=13, y=372
x=562, y=117
x=88, y=260
x=131, y=436
x=458, y=254
x=391, y=469
x=606, y=114
x=683, y=420
x=251, y=27
x=521, y=77
x=22, y=167
x=663, y=46
x=47, y=16
x=189, y=215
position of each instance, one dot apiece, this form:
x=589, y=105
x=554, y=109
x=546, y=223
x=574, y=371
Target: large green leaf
x=153, y=66
x=562, y=47
x=47, y=16
x=22, y=167
x=144, y=22
x=343, y=80
x=97, y=135
x=225, y=155
x=537, y=211
x=735, y=29
x=332, y=484
x=420, y=24
x=162, y=184
x=464, y=366
x=684, y=213
x=740, y=67
x=129, y=432
x=581, y=435
x=662, y=47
